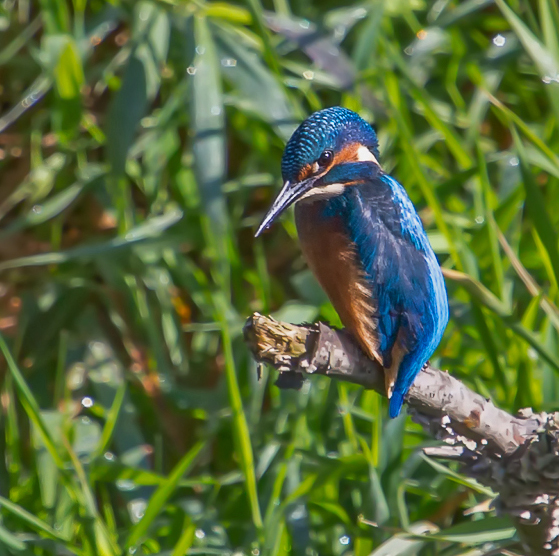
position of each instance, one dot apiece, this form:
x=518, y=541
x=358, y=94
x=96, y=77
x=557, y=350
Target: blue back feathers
x=331, y=128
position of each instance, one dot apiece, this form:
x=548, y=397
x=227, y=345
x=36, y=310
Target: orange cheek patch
x=347, y=154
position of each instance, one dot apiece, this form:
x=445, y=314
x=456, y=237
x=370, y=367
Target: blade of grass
x=488, y=341
x=481, y=293
x=9, y=540
x=240, y=424
x=12, y=430
x=162, y=495
x=544, y=60
x=540, y=55
x=151, y=229
x=37, y=524
x=8, y=52
x=209, y=149
x=536, y=205
x=550, y=308
x=269, y=53
x=95, y=528
x=186, y=539
x=458, y=478
x=347, y=419
x=509, y=116
x=546, y=262
x=486, y=530
x=38, y=89
x=488, y=203
x=549, y=16
x=31, y=407
x=404, y=544
x=394, y=97
x=111, y=420
x=451, y=138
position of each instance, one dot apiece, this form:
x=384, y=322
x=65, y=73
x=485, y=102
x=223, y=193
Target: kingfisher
x=364, y=242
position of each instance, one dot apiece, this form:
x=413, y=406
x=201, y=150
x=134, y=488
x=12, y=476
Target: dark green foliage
x=140, y=145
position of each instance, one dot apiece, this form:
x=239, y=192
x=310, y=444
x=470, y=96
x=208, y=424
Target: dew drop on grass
x=499, y=40
x=137, y=509
x=125, y=485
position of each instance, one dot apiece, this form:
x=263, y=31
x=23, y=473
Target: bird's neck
x=320, y=208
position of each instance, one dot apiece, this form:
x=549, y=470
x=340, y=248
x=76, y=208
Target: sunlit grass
x=139, y=146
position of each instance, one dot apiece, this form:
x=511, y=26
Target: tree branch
x=516, y=456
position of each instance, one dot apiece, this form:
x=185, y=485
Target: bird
x=365, y=243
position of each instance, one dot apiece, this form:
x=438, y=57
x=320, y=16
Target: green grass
x=140, y=145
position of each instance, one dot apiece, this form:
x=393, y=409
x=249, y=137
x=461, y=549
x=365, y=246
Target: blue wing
x=402, y=272
x=391, y=247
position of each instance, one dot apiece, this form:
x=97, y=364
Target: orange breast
x=332, y=258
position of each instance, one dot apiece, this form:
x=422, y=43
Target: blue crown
x=331, y=128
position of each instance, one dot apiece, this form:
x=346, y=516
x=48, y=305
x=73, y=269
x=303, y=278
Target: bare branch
x=516, y=456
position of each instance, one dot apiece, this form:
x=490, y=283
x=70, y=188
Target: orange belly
x=332, y=258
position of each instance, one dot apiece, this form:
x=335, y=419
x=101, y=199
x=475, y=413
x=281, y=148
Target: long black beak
x=290, y=192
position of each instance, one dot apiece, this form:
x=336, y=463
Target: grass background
x=140, y=145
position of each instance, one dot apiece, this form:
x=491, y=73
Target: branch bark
x=517, y=456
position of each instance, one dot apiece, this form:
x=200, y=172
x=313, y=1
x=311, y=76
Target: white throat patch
x=318, y=193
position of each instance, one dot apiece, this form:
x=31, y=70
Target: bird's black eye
x=325, y=158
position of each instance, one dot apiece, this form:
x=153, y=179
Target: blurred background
x=140, y=145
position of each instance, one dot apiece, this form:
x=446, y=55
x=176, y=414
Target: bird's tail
x=396, y=402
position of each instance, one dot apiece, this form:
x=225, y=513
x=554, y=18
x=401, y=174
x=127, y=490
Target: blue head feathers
x=329, y=129
x=313, y=157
